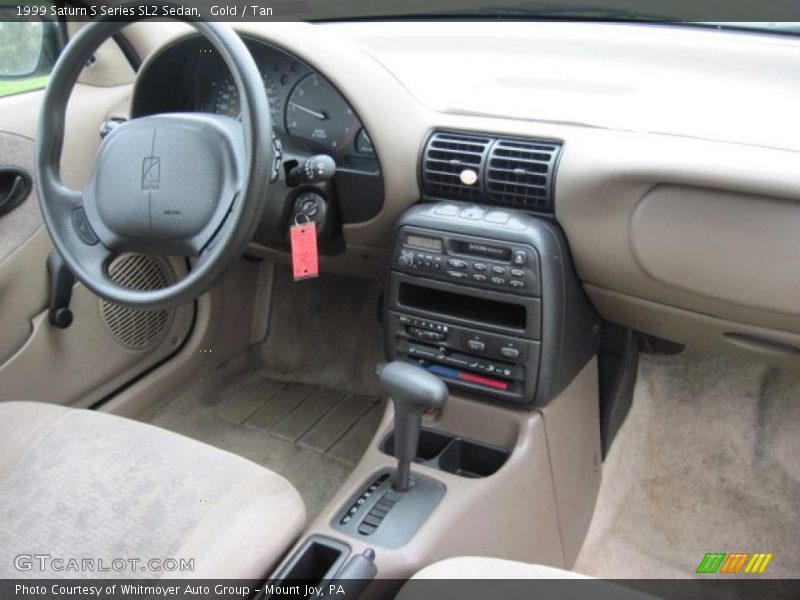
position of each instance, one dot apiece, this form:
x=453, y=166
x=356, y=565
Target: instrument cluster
x=303, y=104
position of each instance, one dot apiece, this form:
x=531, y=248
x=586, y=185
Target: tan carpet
x=304, y=403
x=707, y=461
x=311, y=435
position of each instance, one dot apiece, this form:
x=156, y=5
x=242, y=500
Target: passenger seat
x=461, y=573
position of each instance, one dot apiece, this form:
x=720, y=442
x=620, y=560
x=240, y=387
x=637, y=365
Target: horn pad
x=164, y=183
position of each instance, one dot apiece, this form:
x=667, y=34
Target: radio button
x=405, y=260
x=517, y=284
x=520, y=258
x=479, y=277
x=498, y=280
x=517, y=273
x=497, y=216
x=498, y=270
x=511, y=353
x=476, y=345
x=479, y=266
x=457, y=274
x=457, y=264
x=472, y=212
x=446, y=210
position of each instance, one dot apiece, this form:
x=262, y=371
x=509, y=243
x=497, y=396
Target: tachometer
x=317, y=112
x=226, y=97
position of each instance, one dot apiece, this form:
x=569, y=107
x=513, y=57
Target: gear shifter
x=413, y=391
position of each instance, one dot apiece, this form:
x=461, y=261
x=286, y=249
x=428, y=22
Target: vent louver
x=517, y=173
x=446, y=156
x=520, y=173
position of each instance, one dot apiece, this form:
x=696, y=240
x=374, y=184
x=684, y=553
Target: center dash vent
x=517, y=173
x=446, y=157
x=520, y=174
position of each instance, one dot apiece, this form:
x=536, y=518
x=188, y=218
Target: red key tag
x=305, y=263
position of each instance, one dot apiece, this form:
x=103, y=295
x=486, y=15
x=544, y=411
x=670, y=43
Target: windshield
x=735, y=15
x=781, y=27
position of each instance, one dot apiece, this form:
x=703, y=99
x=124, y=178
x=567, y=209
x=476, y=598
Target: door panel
x=21, y=222
x=21, y=294
x=105, y=347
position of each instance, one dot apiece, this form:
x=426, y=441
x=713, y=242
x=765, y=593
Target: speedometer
x=317, y=112
x=226, y=97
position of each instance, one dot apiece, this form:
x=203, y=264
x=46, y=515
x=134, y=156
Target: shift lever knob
x=413, y=391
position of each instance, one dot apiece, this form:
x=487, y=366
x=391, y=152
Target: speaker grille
x=137, y=329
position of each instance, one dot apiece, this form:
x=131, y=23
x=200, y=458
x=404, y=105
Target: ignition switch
x=312, y=206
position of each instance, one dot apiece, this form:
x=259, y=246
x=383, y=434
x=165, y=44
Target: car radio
x=488, y=300
x=509, y=267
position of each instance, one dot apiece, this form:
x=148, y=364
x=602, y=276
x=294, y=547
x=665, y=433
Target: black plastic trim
x=19, y=189
x=618, y=362
x=454, y=454
x=304, y=565
x=570, y=327
x=133, y=58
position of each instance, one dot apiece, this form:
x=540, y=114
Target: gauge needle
x=320, y=115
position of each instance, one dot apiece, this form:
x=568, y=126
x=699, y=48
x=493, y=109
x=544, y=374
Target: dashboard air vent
x=519, y=174
x=516, y=173
x=446, y=157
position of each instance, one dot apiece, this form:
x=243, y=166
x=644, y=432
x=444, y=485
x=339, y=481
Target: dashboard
x=671, y=184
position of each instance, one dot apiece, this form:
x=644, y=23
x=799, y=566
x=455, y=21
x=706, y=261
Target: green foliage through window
x=17, y=86
x=20, y=48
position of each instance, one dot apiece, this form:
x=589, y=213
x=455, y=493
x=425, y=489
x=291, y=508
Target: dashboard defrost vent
x=519, y=174
x=446, y=157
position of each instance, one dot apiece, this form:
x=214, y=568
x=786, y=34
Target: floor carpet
x=311, y=435
x=305, y=402
x=707, y=461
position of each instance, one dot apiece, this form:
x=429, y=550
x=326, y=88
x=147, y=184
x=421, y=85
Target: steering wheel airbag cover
x=164, y=184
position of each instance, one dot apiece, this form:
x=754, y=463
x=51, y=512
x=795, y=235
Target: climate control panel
x=472, y=358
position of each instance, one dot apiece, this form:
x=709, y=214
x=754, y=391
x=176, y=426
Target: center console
x=487, y=299
x=498, y=454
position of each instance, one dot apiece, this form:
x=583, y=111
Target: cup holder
x=470, y=459
x=431, y=444
x=453, y=454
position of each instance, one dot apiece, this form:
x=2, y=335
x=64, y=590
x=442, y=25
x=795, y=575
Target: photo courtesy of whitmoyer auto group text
x=399, y=300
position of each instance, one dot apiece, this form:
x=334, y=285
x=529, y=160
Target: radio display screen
x=479, y=249
x=424, y=243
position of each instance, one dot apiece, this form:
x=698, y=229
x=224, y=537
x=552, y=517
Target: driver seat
x=78, y=484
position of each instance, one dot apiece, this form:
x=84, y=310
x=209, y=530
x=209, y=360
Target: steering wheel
x=181, y=183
